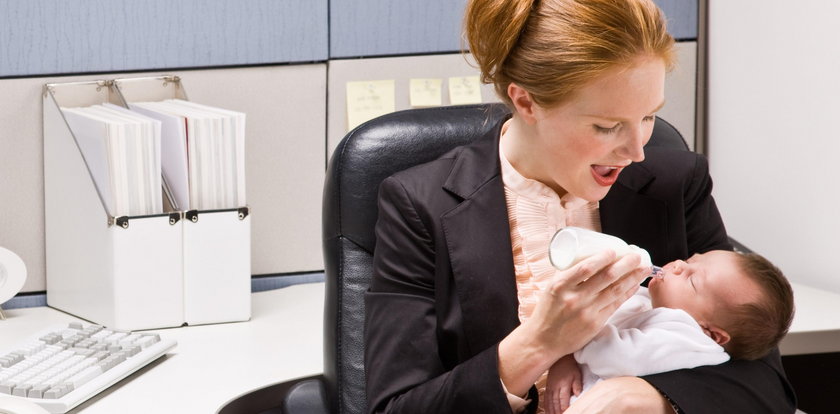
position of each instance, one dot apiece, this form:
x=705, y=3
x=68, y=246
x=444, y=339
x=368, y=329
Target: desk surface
x=816, y=325
x=212, y=364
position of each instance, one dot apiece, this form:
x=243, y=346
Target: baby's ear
x=716, y=333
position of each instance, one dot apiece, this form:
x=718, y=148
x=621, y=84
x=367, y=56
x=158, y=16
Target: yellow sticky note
x=425, y=92
x=464, y=90
x=367, y=100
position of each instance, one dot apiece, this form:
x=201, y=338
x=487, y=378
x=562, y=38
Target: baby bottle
x=573, y=244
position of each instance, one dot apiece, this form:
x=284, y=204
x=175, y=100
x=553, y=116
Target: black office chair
x=365, y=157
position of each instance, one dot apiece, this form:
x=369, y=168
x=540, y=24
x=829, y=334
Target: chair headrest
x=391, y=143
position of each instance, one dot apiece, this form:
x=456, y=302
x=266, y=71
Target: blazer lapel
x=478, y=238
x=627, y=213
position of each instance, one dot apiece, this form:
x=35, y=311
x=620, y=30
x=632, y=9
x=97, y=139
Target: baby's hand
x=564, y=380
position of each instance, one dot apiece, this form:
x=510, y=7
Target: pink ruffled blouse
x=536, y=212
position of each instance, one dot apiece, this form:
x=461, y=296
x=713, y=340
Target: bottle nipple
x=656, y=272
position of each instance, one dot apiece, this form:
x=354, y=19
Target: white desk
x=212, y=364
x=816, y=325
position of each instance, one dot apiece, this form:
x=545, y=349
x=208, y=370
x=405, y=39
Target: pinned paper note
x=425, y=92
x=464, y=90
x=367, y=100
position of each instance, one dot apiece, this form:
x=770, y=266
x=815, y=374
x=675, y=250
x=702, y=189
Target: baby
x=711, y=307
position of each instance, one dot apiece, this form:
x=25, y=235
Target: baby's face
x=702, y=283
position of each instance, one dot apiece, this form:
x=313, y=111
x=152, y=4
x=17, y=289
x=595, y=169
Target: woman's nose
x=634, y=142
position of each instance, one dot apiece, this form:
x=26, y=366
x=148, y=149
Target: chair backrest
x=365, y=157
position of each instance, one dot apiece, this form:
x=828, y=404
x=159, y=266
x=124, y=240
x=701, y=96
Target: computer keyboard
x=62, y=367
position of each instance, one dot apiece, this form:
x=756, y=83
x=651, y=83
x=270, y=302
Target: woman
x=465, y=313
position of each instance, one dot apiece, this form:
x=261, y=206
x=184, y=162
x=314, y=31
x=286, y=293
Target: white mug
x=12, y=274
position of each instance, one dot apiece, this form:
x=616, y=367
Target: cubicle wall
x=772, y=142
x=284, y=63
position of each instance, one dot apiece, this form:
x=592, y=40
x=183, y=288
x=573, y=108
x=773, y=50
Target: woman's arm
x=407, y=369
x=737, y=386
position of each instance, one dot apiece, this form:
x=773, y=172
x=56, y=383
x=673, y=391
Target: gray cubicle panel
x=680, y=88
x=387, y=27
x=77, y=36
x=285, y=107
x=681, y=91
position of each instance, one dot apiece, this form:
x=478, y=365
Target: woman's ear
x=717, y=334
x=522, y=103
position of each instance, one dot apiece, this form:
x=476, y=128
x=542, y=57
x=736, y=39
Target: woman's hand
x=564, y=380
x=570, y=311
x=576, y=304
x=627, y=395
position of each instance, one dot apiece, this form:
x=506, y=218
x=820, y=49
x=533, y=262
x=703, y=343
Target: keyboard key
x=21, y=390
x=11, y=359
x=148, y=340
x=85, y=375
x=50, y=338
x=38, y=391
x=131, y=351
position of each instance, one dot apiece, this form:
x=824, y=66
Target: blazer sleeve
x=405, y=369
x=758, y=386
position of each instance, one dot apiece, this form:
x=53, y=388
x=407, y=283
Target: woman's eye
x=607, y=130
x=649, y=118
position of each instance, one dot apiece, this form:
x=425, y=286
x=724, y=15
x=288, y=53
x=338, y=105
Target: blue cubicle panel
x=74, y=36
x=682, y=17
x=394, y=27
x=361, y=28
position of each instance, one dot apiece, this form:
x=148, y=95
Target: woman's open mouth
x=605, y=175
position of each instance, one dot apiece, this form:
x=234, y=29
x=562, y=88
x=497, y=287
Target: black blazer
x=443, y=292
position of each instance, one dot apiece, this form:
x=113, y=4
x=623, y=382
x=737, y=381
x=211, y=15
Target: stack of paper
x=203, y=153
x=122, y=151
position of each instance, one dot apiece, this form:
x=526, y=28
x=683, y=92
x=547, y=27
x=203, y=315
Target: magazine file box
x=217, y=243
x=121, y=272
x=217, y=266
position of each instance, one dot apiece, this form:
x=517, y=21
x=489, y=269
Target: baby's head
x=742, y=301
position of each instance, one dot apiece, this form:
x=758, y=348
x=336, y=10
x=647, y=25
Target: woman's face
x=581, y=146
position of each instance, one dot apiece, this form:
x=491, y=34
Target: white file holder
x=121, y=272
x=216, y=243
x=217, y=266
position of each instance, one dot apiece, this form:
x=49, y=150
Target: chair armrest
x=302, y=395
x=306, y=397
x=739, y=247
